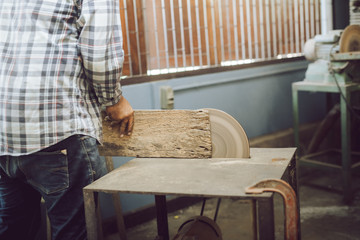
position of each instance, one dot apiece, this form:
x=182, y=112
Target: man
x=60, y=63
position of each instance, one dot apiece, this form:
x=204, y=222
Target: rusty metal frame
x=290, y=203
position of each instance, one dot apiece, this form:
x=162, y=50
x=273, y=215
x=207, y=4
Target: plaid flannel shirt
x=60, y=62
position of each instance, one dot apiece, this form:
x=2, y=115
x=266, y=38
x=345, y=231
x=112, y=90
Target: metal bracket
x=290, y=203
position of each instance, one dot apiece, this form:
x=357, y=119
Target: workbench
x=208, y=178
x=347, y=90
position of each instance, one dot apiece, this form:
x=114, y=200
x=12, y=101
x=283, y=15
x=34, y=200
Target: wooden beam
x=162, y=133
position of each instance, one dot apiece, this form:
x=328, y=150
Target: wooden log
x=162, y=134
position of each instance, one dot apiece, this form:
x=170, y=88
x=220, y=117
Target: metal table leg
x=161, y=217
x=290, y=203
x=346, y=145
x=90, y=215
x=295, y=99
x=265, y=216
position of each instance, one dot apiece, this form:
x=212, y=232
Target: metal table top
x=211, y=177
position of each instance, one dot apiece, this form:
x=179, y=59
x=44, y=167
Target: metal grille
x=166, y=36
x=354, y=12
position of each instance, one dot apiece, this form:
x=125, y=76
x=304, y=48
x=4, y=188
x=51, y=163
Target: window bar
x=174, y=33
x=228, y=29
x=302, y=24
x=273, y=20
x=198, y=30
x=307, y=21
x=146, y=31
x=312, y=18
x=248, y=22
x=291, y=27
x=156, y=36
x=256, y=29
x=317, y=17
x=286, y=26
x=190, y=33
x=280, y=26
x=165, y=35
x=128, y=37
x=297, y=26
x=267, y=17
x=242, y=29
x=206, y=33
x=221, y=30
x=214, y=31
x=182, y=31
x=262, y=29
x=137, y=36
x=236, y=37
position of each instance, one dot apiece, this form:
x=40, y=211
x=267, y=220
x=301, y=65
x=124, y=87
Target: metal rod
x=273, y=21
x=235, y=29
x=317, y=17
x=217, y=209
x=248, y=22
x=291, y=28
x=265, y=218
x=207, y=42
x=156, y=36
x=242, y=30
x=262, y=29
x=297, y=26
x=254, y=218
x=228, y=30
x=256, y=29
x=117, y=205
x=174, y=32
x=198, y=31
x=302, y=25
x=90, y=215
x=312, y=18
x=161, y=217
x=214, y=32
x=285, y=26
x=221, y=31
x=146, y=35
x=307, y=20
x=165, y=34
x=203, y=207
x=268, y=34
x=182, y=31
x=190, y=33
x=280, y=26
x=137, y=36
x=128, y=37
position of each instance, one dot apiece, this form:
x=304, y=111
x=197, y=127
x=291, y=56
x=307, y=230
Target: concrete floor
x=323, y=214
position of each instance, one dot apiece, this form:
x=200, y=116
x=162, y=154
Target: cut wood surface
x=162, y=134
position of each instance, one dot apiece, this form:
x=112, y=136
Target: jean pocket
x=47, y=171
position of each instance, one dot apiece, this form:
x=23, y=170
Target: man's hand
x=121, y=114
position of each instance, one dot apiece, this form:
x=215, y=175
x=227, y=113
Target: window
x=171, y=36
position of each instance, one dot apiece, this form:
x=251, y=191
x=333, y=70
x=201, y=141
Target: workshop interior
x=247, y=123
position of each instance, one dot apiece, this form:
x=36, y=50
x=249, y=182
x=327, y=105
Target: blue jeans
x=56, y=175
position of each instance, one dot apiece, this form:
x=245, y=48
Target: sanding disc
x=229, y=139
x=350, y=39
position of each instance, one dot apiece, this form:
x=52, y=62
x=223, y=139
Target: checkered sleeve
x=100, y=45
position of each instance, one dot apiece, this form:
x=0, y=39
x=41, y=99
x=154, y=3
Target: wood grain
x=162, y=134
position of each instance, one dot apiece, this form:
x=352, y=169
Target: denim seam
x=91, y=169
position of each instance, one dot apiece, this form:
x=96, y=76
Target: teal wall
x=259, y=98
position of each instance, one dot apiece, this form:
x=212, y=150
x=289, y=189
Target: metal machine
x=336, y=56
